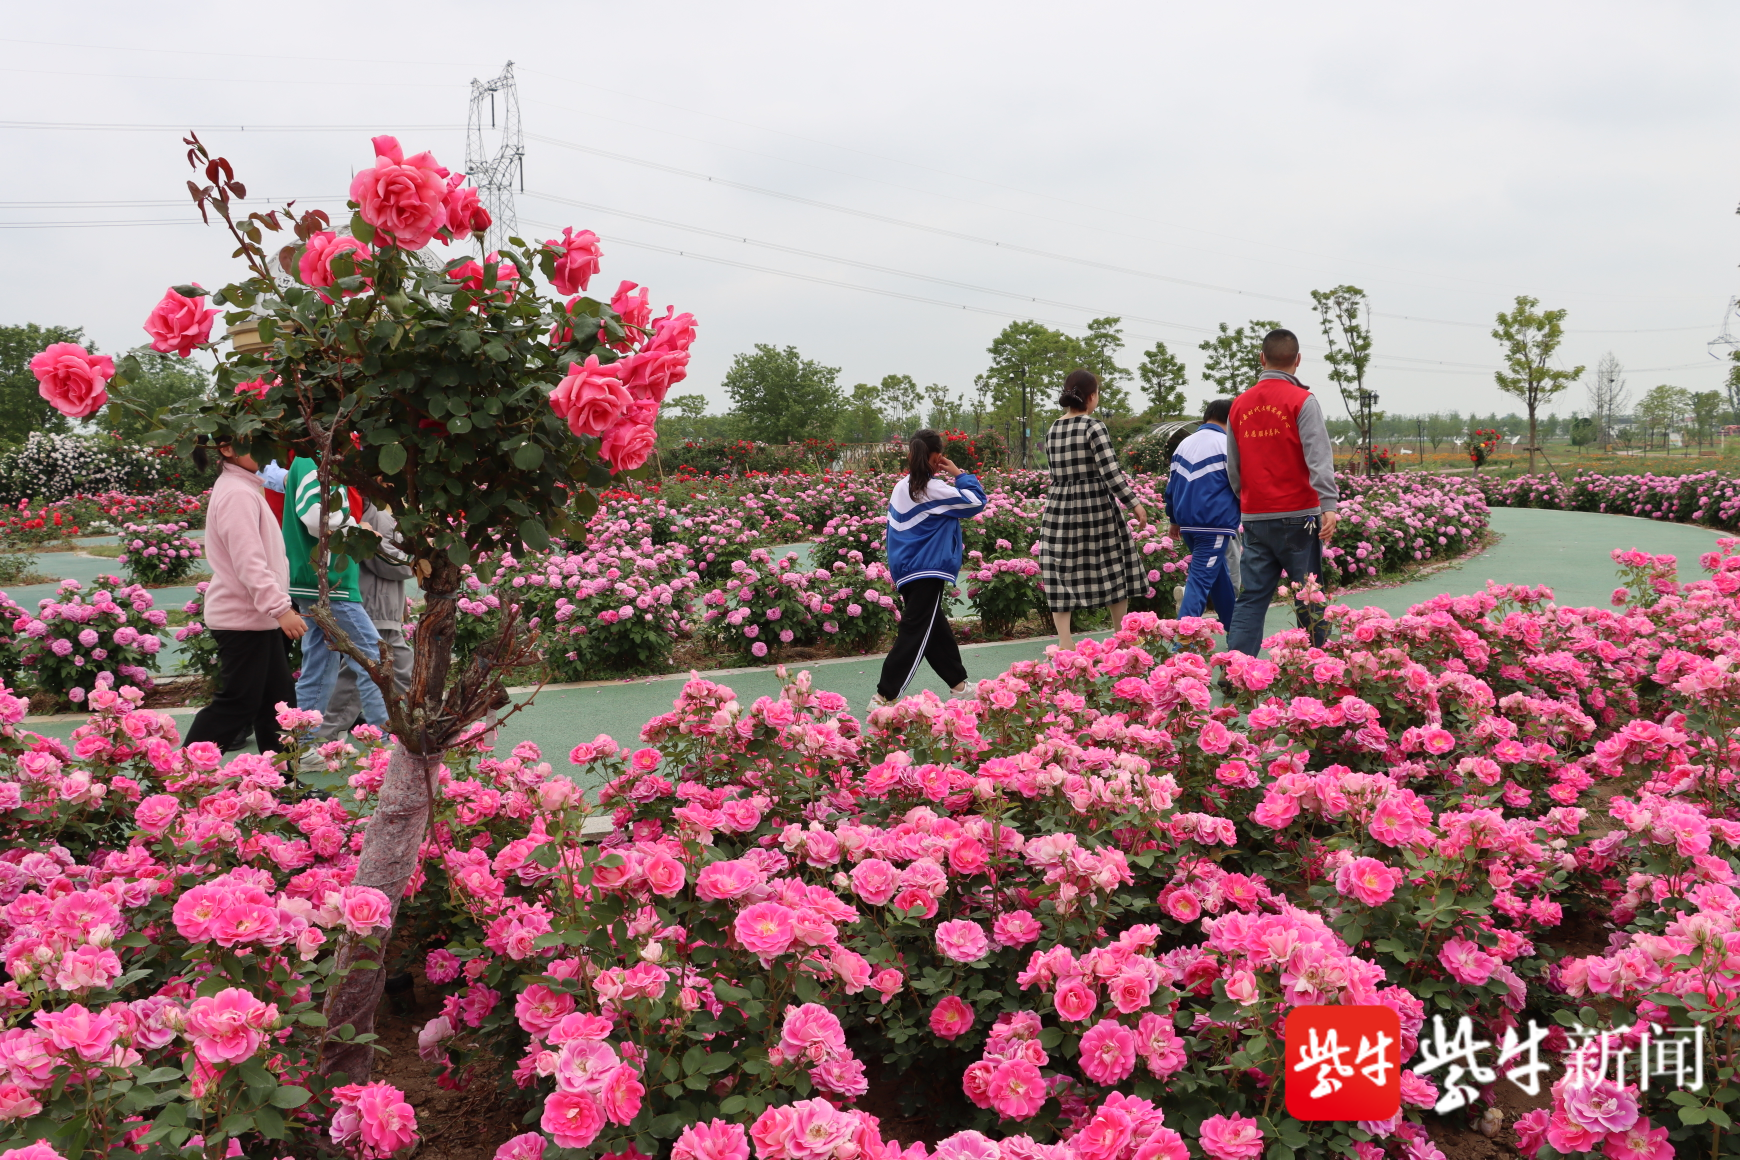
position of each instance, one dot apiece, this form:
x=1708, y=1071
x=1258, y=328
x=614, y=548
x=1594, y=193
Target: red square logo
x=1343, y=1063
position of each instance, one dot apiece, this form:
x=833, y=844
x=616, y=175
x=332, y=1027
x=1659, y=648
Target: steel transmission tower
x=494, y=172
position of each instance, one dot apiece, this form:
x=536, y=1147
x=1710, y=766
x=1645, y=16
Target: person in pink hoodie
x=247, y=607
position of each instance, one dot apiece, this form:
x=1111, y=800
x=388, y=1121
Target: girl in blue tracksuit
x=1202, y=505
x=924, y=554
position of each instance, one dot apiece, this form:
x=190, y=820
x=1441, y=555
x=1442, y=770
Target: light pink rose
x=72, y=380
x=525, y=1146
x=178, y=323
x=91, y=1034
x=404, y=198
x=1368, y=880
x=591, y=398
x=766, y=929
x=962, y=940
x=154, y=813
x=364, y=909
x=1015, y=928
x=875, y=880
x=578, y=258
x=622, y=1093
x=1232, y=1138
x=229, y=1027
x=315, y=265
x=713, y=1140
x=628, y=445
x=723, y=880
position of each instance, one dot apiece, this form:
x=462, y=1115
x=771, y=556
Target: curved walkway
x=1569, y=551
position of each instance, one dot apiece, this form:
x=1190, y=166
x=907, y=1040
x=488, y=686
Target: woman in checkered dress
x=1087, y=558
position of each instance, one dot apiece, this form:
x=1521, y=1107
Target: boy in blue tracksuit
x=1202, y=505
x=924, y=554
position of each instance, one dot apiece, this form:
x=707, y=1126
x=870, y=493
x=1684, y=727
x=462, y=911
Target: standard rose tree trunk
x=389, y=861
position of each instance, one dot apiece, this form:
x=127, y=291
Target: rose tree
x=451, y=392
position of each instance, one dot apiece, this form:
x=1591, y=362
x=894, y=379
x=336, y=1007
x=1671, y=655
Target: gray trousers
x=345, y=705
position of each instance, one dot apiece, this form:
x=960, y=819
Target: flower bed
x=1700, y=497
x=1061, y=905
x=158, y=554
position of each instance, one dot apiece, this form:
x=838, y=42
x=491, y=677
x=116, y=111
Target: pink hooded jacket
x=250, y=574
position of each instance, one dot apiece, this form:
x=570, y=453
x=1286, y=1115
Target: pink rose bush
x=167, y=925
x=1079, y=891
x=159, y=554
x=775, y=603
x=77, y=639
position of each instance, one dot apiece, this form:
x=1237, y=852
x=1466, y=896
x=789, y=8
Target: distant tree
x=1099, y=350
x=1442, y=426
x=685, y=417
x=1583, y=430
x=1706, y=409
x=778, y=396
x=902, y=404
x=1028, y=364
x=165, y=381
x=1663, y=410
x=1608, y=396
x=1164, y=377
x=22, y=408
x=1530, y=338
x=1234, y=356
x=945, y=412
x=1340, y=312
x=861, y=417
x=1733, y=384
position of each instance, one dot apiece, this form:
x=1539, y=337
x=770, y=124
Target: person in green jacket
x=320, y=664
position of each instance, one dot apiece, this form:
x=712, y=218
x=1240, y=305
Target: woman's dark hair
x=1078, y=390
x=925, y=443
x=202, y=453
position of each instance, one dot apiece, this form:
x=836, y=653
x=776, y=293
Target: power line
x=973, y=238
x=146, y=203
x=640, y=98
x=131, y=48
x=187, y=221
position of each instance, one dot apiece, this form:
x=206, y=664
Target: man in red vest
x=1279, y=460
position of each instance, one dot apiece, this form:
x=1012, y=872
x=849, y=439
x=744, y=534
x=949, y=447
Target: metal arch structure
x=495, y=119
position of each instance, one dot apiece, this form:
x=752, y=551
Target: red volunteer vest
x=1272, y=472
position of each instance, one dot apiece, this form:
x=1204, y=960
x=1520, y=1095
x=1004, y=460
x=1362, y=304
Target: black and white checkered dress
x=1087, y=558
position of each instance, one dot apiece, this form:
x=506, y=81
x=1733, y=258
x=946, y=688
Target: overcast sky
x=907, y=159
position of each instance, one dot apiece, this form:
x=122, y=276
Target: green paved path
x=1569, y=551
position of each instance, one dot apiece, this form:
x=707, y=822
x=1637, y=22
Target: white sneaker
x=876, y=702
x=959, y=689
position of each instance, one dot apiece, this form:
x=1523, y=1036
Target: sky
x=885, y=187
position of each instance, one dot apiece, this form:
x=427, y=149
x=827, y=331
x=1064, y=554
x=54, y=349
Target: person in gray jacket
x=381, y=579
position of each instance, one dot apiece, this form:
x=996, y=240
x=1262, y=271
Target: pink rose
x=442, y=966
x=726, y=880
x=634, y=310
x=1130, y=990
x=591, y=398
x=378, y=1113
x=1074, y=1000
x=18, y=1104
x=578, y=258
x=622, y=1094
x=1368, y=880
x=888, y=981
x=649, y=375
x=154, y=813
x=573, y=1119
x=1162, y=1144
x=1232, y=1138
x=962, y=940
x=72, y=380
x=1466, y=962
x=404, y=198
x=766, y=929
x=178, y=323
x=874, y=880
x=663, y=874
x=673, y=331
x=229, y=1027
x=525, y=1146
x=1015, y=928
x=364, y=909
x=627, y=445
x=41, y=1150
x=810, y=1031
x=1016, y=1089
x=1108, y=1052
x=951, y=1018
x=465, y=212
x=472, y=276
x=315, y=265
x=713, y=1140
x=91, y=1034
x=1106, y=1135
